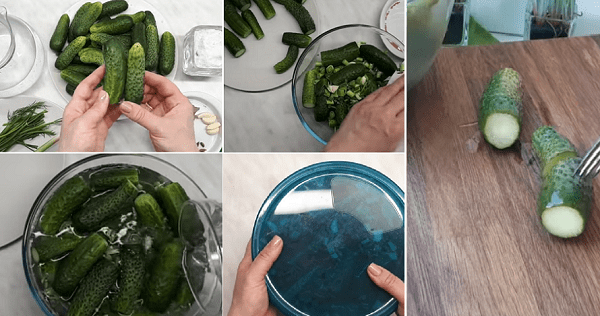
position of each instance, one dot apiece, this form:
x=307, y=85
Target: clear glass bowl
x=331, y=39
x=203, y=51
x=167, y=172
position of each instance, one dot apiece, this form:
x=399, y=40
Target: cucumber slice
x=302, y=16
x=501, y=130
x=161, y=286
x=348, y=73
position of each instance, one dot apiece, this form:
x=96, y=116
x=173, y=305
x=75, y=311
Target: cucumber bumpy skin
x=266, y=8
x=131, y=278
x=298, y=39
x=111, y=178
x=148, y=211
x=337, y=56
x=288, y=61
x=235, y=21
x=308, y=91
x=136, y=68
x=90, y=16
x=91, y=55
x=551, y=148
x=153, y=43
x=166, y=54
x=68, y=197
x=67, y=55
x=233, y=43
x=301, y=14
x=50, y=247
x=250, y=18
x=77, y=19
x=116, y=69
x=161, y=286
x=118, y=25
x=112, y=7
x=381, y=60
x=500, y=109
x=72, y=77
x=171, y=198
x=348, y=73
x=94, y=288
x=61, y=33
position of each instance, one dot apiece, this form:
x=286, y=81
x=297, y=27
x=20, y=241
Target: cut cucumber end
x=501, y=130
x=563, y=221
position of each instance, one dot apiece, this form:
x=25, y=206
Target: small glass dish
x=203, y=51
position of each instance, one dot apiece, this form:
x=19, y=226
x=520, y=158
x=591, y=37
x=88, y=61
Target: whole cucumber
x=91, y=55
x=113, y=7
x=65, y=58
x=116, y=69
x=166, y=54
x=68, y=197
x=77, y=19
x=172, y=197
x=136, y=64
x=94, y=288
x=61, y=32
x=148, y=211
x=113, y=177
x=118, y=25
x=153, y=46
x=50, y=247
x=138, y=35
x=164, y=277
x=82, y=27
x=131, y=278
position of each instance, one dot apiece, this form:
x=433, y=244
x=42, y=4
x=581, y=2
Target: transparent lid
x=335, y=218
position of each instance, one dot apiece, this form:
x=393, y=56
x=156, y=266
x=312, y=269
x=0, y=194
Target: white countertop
x=15, y=297
x=124, y=135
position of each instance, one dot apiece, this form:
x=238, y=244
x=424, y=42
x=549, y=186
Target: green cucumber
x=308, y=91
x=148, y=211
x=321, y=110
x=137, y=17
x=103, y=207
x=116, y=69
x=113, y=177
x=153, y=42
x=138, y=35
x=161, y=286
x=348, y=73
x=242, y=5
x=235, y=21
x=381, y=60
x=115, y=26
x=70, y=89
x=301, y=14
x=131, y=278
x=77, y=264
x=72, y=77
x=500, y=109
x=77, y=19
x=102, y=38
x=565, y=199
x=233, y=43
x=136, y=64
x=110, y=8
x=171, y=198
x=65, y=58
x=288, y=61
x=296, y=39
x=82, y=69
x=266, y=8
x=551, y=147
x=166, y=54
x=51, y=247
x=150, y=19
x=184, y=296
x=91, y=55
x=94, y=288
x=68, y=197
x=337, y=56
x=250, y=18
x=82, y=26
x=61, y=32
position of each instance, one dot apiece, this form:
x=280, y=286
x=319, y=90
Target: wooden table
x=475, y=243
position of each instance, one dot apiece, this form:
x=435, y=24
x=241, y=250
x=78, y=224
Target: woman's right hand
x=389, y=282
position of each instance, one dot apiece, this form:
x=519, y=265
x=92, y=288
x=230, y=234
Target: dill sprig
x=24, y=124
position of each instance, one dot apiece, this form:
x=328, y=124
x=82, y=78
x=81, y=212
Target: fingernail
x=375, y=269
x=104, y=95
x=126, y=106
x=275, y=241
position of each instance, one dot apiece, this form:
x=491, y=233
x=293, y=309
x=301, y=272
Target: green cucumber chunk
x=171, y=198
x=235, y=21
x=137, y=17
x=301, y=14
x=70, y=89
x=233, y=44
x=82, y=69
x=242, y=5
x=51, y=247
x=68, y=197
x=250, y=18
x=308, y=91
x=138, y=35
x=94, y=288
x=266, y=8
x=61, y=32
x=321, y=110
x=288, y=61
x=381, y=60
x=163, y=281
x=148, y=211
x=337, y=56
x=551, y=147
x=131, y=278
x=113, y=177
x=348, y=73
x=297, y=39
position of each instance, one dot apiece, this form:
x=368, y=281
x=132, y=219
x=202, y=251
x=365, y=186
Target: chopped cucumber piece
x=501, y=130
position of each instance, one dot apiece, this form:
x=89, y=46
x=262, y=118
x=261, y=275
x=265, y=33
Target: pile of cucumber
x=127, y=44
x=108, y=240
x=245, y=23
x=342, y=78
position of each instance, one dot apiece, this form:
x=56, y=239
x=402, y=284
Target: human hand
x=166, y=113
x=389, y=282
x=250, y=295
x=87, y=117
x=374, y=124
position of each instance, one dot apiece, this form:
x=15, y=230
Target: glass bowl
x=331, y=39
x=166, y=173
x=203, y=51
x=335, y=218
x=426, y=24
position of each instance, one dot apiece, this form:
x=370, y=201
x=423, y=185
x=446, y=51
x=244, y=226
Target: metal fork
x=590, y=164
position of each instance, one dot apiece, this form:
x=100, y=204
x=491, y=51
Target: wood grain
x=475, y=243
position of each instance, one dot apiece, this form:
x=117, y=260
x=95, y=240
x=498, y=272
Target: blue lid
x=335, y=218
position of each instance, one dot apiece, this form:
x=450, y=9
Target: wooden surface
x=475, y=243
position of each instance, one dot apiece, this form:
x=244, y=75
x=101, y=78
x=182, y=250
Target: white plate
x=254, y=70
x=134, y=6
x=15, y=103
x=207, y=103
x=392, y=21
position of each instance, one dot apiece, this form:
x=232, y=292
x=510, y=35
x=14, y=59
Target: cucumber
x=302, y=16
x=235, y=21
x=130, y=279
x=184, y=296
x=381, y=60
x=82, y=69
x=68, y=197
x=138, y=35
x=116, y=69
x=48, y=272
x=242, y=5
x=166, y=54
x=113, y=7
x=150, y=19
x=94, y=288
x=250, y=18
x=51, y=247
x=77, y=19
x=72, y=77
x=153, y=42
x=118, y=25
x=296, y=39
x=337, y=56
x=348, y=73
x=161, y=286
x=266, y=8
x=91, y=55
x=65, y=58
x=136, y=64
x=103, y=207
x=77, y=264
x=82, y=26
x=500, y=109
x=137, y=17
x=102, y=38
x=308, y=91
x=61, y=32
x=148, y=211
x=171, y=198
x=233, y=43
x=288, y=61
x=565, y=199
x=70, y=89
x=321, y=110
x=113, y=177
x=551, y=147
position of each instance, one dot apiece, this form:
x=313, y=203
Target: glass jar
x=203, y=51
